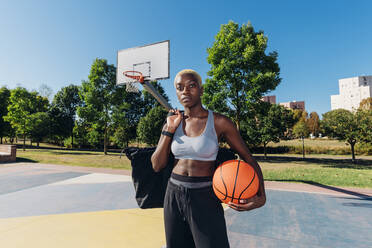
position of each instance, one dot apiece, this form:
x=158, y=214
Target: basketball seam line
x=223, y=184
x=227, y=196
x=254, y=176
x=236, y=178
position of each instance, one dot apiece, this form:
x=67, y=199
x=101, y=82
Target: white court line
x=95, y=178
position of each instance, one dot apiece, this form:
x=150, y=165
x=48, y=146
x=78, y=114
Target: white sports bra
x=203, y=147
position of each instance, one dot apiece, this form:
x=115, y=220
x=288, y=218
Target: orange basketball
x=235, y=180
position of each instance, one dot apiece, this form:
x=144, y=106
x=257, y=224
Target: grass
x=70, y=157
x=319, y=146
x=318, y=170
x=312, y=142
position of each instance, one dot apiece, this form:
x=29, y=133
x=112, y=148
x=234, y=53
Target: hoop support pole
x=148, y=86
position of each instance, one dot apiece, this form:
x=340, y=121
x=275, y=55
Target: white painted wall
x=352, y=92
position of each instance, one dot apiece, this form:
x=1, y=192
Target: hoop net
x=131, y=87
x=136, y=76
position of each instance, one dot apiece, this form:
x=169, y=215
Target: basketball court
x=45, y=205
x=64, y=206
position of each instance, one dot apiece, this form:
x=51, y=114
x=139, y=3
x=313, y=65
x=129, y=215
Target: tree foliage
x=4, y=102
x=149, y=101
x=100, y=95
x=241, y=71
x=313, y=123
x=59, y=124
x=342, y=125
x=67, y=100
x=150, y=126
x=37, y=126
x=364, y=118
x=366, y=104
x=301, y=130
x=269, y=124
x=22, y=104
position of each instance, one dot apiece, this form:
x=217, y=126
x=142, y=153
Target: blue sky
x=55, y=42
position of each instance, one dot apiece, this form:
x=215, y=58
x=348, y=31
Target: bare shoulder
x=222, y=123
x=221, y=119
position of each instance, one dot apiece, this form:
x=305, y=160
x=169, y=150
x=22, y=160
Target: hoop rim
x=140, y=78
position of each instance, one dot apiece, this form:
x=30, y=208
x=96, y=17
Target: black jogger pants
x=194, y=218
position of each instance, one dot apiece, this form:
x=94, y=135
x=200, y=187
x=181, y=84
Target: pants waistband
x=191, y=185
x=191, y=179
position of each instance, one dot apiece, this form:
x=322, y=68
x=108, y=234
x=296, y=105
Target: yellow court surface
x=118, y=228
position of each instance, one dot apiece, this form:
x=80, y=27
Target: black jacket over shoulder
x=149, y=185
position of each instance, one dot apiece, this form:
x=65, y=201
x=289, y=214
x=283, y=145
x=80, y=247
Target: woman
x=193, y=215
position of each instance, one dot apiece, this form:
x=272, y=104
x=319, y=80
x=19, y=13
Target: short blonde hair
x=189, y=71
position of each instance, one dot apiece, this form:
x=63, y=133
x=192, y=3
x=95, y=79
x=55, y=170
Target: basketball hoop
x=142, y=65
x=135, y=75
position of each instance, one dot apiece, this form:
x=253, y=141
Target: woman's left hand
x=248, y=204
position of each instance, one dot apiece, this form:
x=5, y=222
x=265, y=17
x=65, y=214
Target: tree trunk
x=105, y=142
x=72, y=139
x=1, y=140
x=237, y=112
x=265, y=150
x=38, y=144
x=352, y=144
x=24, y=141
x=303, y=147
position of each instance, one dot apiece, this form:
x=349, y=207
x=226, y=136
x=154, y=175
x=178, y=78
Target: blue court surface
x=64, y=206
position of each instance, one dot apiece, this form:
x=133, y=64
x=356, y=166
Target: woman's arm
x=159, y=158
x=233, y=138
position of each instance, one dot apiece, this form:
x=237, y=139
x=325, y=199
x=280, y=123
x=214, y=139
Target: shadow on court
x=362, y=164
x=25, y=160
x=335, y=189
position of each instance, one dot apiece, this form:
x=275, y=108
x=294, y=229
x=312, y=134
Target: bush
x=364, y=148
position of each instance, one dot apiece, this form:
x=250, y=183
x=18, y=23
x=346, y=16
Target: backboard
x=151, y=60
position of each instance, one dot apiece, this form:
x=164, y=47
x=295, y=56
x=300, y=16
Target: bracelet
x=167, y=134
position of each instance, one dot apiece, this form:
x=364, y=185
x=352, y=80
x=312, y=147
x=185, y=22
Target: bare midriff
x=193, y=168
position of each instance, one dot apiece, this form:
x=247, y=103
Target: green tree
x=241, y=71
x=59, y=123
x=100, y=95
x=313, y=123
x=342, y=125
x=299, y=114
x=67, y=101
x=124, y=126
x=270, y=123
x=4, y=102
x=81, y=133
x=366, y=104
x=364, y=118
x=22, y=104
x=150, y=126
x=126, y=116
x=274, y=125
x=149, y=101
x=301, y=130
x=37, y=126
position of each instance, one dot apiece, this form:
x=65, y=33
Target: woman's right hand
x=173, y=121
